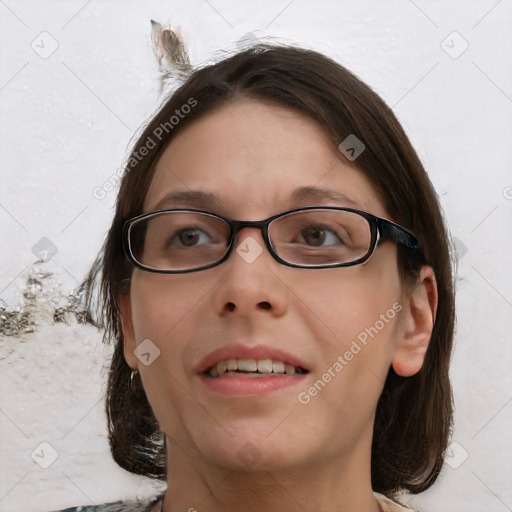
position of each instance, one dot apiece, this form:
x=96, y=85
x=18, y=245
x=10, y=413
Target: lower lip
x=245, y=385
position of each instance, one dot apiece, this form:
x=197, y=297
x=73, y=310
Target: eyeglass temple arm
x=400, y=235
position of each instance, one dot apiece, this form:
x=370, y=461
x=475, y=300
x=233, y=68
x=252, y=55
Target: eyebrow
x=197, y=198
x=208, y=201
x=317, y=194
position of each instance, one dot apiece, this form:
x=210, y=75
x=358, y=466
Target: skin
x=315, y=456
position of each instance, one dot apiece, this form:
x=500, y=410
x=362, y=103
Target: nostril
x=265, y=305
x=230, y=306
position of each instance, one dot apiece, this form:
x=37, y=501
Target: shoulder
x=388, y=505
x=153, y=505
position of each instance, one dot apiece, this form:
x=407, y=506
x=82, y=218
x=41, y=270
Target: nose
x=251, y=283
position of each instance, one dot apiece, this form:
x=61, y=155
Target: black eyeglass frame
x=380, y=229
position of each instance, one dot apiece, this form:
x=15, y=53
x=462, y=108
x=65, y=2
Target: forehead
x=254, y=159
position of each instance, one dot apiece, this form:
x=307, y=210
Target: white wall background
x=66, y=122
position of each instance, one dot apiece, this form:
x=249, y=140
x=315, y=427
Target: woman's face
x=342, y=324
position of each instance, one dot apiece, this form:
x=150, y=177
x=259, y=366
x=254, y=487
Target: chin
x=251, y=451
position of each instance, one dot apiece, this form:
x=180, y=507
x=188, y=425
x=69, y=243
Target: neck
x=325, y=486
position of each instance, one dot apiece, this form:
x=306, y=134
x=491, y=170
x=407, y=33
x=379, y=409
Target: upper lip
x=240, y=351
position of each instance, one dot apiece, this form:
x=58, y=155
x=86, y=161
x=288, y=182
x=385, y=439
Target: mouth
x=239, y=359
x=240, y=369
x=252, y=368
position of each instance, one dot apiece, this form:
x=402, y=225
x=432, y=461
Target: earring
x=132, y=375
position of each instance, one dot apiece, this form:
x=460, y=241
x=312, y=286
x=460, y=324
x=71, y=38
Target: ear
x=418, y=321
x=155, y=25
x=130, y=345
x=171, y=42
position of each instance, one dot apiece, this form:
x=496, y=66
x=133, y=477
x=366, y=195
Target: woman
x=296, y=363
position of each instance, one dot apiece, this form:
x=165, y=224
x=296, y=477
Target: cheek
x=163, y=308
x=354, y=312
x=342, y=305
x=161, y=304
x=343, y=312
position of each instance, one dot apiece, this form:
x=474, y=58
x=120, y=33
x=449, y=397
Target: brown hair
x=414, y=416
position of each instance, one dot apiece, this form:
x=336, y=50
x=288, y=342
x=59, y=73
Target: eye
x=315, y=234
x=189, y=237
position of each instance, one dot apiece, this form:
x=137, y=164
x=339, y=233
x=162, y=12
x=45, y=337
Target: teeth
x=232, y=365
x=290, y=370
x=278, y=367
x=246, y=365
x=263, y=366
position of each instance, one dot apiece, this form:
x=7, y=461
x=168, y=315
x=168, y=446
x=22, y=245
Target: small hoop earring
x=132, y=375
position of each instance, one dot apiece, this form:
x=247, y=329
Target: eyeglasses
x=180, y=240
